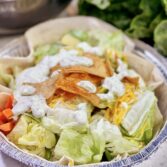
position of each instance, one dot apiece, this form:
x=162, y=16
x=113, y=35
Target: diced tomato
x=2, y=118
x=7, y=113
x=7, y=127
x=1, y=122
x=9, y=103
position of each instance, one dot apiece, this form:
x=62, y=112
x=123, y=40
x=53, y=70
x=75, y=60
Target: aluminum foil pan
x=21, y=48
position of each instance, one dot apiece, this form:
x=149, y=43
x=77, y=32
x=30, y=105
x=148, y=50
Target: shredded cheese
x=118, y=111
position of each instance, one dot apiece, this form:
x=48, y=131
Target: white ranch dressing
x=114, y=86
x=35, y=103
x=71, y=58
x=27, y=90
x=66, y=115
x=106, y=96
x=55, y=73
x=40, y=72
x=87, y=48
x=87, y=85
x=124, y=105
x=123, y=71
x=24, y=94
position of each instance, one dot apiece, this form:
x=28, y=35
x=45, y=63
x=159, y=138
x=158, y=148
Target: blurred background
x=16, y=16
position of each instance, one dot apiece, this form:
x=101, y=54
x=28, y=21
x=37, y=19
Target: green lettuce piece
x=37, y=136
x=30, y=136
x=46, y=50
x=7, y=75
x=101, y=4
x=83, y=148
x=63, y=118
x=150, y=7
x=107, y=40
x=113, y=13
x=116, y=144
x=105, y=128
x=122, y=146
x=157, y=20
x=139, y=121
x=164, y=3
x=7, y=80
x=80, y=34
x=158, y=120
x=139, y=27
x=160, y=37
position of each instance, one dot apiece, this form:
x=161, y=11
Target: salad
x=80, y=100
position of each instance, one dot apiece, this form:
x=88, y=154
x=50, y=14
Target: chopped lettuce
x=68, y=116
x=116, y=144
x=105, y=128
x=69, y=40
x=100, y=3
x=139, y=121
x=30, y=136
x=81, y=147
x=105, y=40
x=76, y=36
x=108, y=40
x=49, y=49
x=6, y=77
x=80, y=34
x=122, y=146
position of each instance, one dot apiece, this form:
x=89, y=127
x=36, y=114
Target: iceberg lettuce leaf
x=81, y=147
x=116, y=144
x=122, y=146
x=30, y=136
x=107, y=40
x=139, y=121
x=44, y=50
x=63, y=117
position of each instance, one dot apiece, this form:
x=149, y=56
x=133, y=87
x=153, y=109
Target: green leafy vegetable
x=164, y=3
x=141, y=19
x=122, y=146
x=79, y=34
x=107, y=40
x=30, y=136
x=160, y=37
x=64, y=117
x=139, y=121
x=100, y=3
x=81, y=147
x=49, y=49
x=116, y=144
